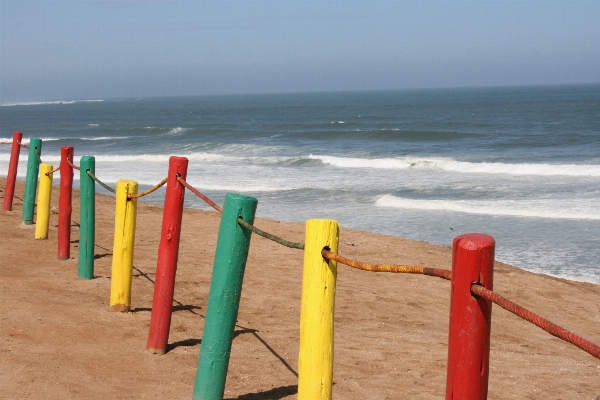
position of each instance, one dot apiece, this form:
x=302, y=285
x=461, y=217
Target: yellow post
x=122, y=262
x=43, y=202
x=315, y=362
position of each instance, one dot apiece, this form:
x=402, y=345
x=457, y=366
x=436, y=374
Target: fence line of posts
x=472, y=264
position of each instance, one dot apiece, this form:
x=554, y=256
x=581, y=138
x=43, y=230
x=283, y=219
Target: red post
x=168, y=250
x=11, y=177
x=64, y=203
x=470, y=318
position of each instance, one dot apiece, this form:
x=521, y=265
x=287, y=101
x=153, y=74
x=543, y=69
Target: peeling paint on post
x=224, y=298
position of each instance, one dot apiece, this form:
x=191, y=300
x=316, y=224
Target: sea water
x=520, y=163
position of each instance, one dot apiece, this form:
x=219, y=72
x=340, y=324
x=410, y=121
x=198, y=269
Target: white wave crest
x=162, y=158
x=555, y=209
x=106, y=138
x=238, y=188
x=38, y=103
x=177, y=131
x=448, y=164
x=26, y=140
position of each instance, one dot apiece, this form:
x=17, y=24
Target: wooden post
x=470, y=318
x=64, y=203
x=168, y=251
x=11, y=176
x=43, y=204
x=122, y=262
x=315, y=361
x=31, y=180
x=224, y=297
x=87, y=218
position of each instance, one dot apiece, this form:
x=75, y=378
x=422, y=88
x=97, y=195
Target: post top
x=473, y=241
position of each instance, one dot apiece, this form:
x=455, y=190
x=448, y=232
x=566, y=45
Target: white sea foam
x=26, y=140
x=177, y=131
x=106, y=138
x=448, y=164
x=239, y=188
x=555, y=209
x=38, y=103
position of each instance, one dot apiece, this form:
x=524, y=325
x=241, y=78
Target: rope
x=197, y=193
x=269, y=236
x=38, y=155
x=19, y=143
x=538, y=321
x=406, y=269
x=53, y=171
x=73, y=165
x=480, y=291
x=240, y=221
x=135, y=196
x=105, y=186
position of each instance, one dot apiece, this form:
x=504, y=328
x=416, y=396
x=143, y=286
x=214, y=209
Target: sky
x=97, y=49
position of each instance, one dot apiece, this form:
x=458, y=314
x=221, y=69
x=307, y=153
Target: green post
x=31, y=180
x=87, y=218
x=224, y=297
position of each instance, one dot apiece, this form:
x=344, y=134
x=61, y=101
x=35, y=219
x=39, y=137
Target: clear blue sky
x=56, y=49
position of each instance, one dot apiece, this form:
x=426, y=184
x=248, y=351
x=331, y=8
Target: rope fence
x=147, y=192
x=104, y=185
x=538, y=321
x=19, y=143
x=39, y=157
x=73, y=165
x=240, y=221
x=53, y=171
x=329, y=236
x=200, y=195
x=402, y=269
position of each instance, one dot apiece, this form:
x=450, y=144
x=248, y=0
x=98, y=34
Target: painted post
x=122, y=262
x=11, y=176
x=315, y=360
x=224, y=297
x=42, y=221
x=64, y=203
x=168, y=251
x=470, y=318
x=31, y=180
x=87, y=218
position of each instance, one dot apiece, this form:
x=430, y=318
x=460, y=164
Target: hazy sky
x=134, y=48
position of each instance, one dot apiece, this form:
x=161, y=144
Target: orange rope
x=53, y=171
x=152, y=189
x=406, y=269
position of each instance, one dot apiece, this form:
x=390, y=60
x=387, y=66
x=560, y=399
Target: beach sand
x=59, y=339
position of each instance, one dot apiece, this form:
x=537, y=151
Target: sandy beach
x=59, y=339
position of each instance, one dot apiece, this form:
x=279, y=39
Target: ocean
x=519, y=163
